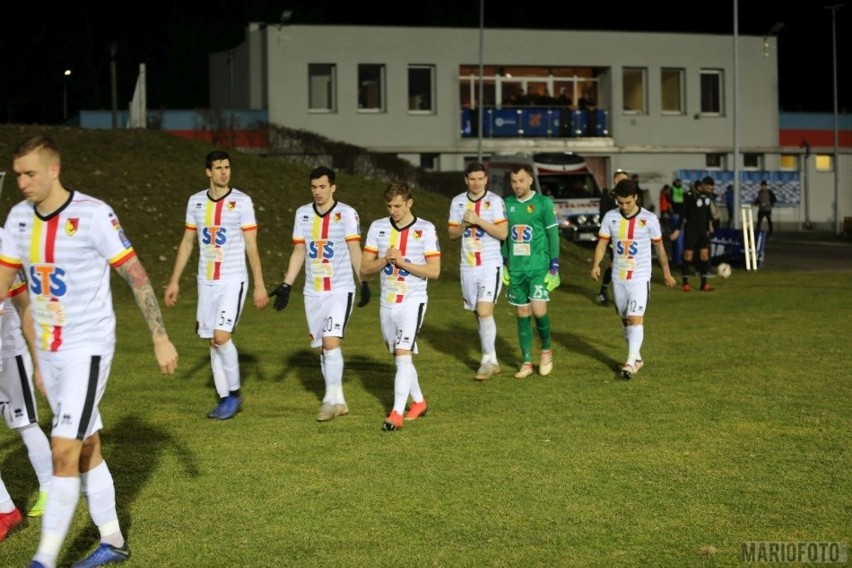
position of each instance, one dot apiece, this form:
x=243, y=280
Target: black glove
x=282, y=296
x=365, y=294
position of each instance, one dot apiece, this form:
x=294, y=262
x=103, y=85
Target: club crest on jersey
x=487, y=205
x=71, y=225
x=337, y=217
x=418, y=234
x=530, y=208
x=642, y=222
x=231, y=205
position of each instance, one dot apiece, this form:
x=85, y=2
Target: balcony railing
x=535, y=122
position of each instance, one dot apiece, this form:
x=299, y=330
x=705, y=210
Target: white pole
x=481, y=80
x=736, y=180
x=834, y=9
x=748, y=238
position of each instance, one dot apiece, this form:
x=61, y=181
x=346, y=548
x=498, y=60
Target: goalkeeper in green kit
x=531, y=265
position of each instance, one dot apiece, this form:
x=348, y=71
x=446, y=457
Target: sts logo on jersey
x=214, y=235
x=47, y=280
x=522, y=233
x=474, y=231
x=629, y=248
x=320, y=249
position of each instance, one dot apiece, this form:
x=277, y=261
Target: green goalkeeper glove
x=505, y=276
x=551, y=279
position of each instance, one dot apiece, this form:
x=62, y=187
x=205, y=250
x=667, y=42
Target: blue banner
x=786, y=185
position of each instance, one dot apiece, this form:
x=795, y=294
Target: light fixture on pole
x=834, y=9
x=66, y=74
x=773, y=31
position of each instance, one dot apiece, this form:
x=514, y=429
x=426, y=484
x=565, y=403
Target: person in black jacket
x=765, y=201
x=697, y=224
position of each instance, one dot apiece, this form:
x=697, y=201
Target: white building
x=674, y=105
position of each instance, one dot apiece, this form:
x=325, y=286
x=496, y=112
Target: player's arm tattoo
x=134, y=273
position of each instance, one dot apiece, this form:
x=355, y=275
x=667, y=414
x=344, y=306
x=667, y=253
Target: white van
x=565, y=177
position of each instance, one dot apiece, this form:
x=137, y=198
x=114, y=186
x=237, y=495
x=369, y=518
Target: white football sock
x=333, y=375
x=487, y=338
x=402, y=382
x=61, y=503
x=38, y=450
x=219, y=380
x=230, y=364
x=98, y=487
x=635, y=336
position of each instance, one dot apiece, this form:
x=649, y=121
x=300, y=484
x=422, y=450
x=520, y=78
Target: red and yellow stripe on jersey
x=626, y=230
x=319, y=234
x=42, y=254
x=399, y=240
x=474, y=256
x=213, y=220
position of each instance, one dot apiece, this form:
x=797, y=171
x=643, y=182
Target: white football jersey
x=67, y=257
x=417, y=242
x=328, y=264
x=478, y=248
x=631, y=242
x=220, y=225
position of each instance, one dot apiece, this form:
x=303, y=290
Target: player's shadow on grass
x=249, y=369
x=463, y=343
x=569, y=288
x=132, y=449
x=374, y=373
x=305, y=363
x=577, y=344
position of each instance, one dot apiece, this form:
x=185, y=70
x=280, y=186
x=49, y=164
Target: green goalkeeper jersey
x=533, y=239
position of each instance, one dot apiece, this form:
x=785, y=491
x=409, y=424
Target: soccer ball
x=723, y=270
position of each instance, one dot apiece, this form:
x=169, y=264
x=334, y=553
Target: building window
x=322, y=87
x=421, y=88
x=429, y=161
x=711, y=91
x=715, y=161
x=790, y=162
x=633, y=80
x=542, y=85
x=671, y=91
x=823, y=163
x=752, y=161
x=371, y=87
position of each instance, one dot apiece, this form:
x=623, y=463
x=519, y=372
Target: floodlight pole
x=481, y=81
x=112, y=49
x=834, y=9
x=736, y=180
x=66, y=74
